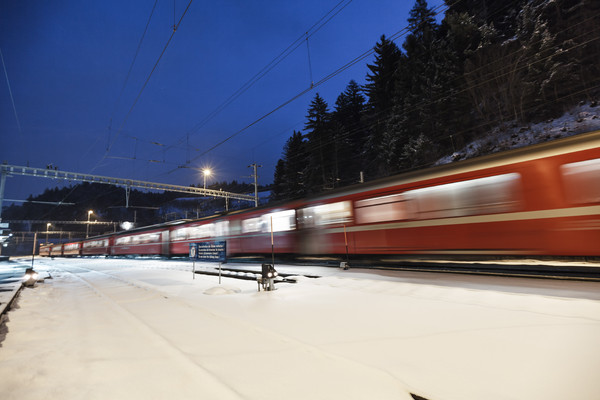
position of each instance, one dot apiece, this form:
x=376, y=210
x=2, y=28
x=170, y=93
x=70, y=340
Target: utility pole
x=2, y=185
x=255, y=176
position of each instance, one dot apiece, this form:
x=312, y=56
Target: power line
x=148, y=79
x=268, y=67
x=354, y=61
x=130, y=69
x=10, y=92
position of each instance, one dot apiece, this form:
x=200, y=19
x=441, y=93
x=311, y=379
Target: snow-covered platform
x=143, y=329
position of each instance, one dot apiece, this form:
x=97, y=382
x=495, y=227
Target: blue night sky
x=67, y=62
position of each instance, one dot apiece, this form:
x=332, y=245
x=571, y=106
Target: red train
x=543, y=200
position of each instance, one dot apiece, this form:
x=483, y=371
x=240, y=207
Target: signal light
x=268, y=275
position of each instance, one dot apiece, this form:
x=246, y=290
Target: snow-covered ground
x=144, y=329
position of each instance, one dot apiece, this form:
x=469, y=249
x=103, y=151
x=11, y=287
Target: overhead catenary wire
x=12, y=99
x=139, y=46
x=148, y=79
x=349, y=64
x=266, y=69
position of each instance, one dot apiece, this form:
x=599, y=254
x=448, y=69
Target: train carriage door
x=164, y=244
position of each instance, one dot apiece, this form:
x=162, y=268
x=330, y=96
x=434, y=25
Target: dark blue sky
x=67, y=62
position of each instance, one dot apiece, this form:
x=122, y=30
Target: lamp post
x=47, y=229
x=87, y=231
x=206, y=172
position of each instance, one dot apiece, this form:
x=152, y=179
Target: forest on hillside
x=486, y=65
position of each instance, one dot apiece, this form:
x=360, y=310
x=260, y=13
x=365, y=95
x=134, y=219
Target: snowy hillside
x=584, y=118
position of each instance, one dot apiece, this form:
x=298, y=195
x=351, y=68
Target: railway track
x=513, y=269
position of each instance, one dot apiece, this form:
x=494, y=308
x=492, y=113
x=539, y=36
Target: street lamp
x=206, y=172
x=87, y=231
x=48, y=225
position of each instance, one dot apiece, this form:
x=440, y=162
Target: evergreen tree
x=288, y=181
x=296, y=160
x=382, y=91
x=349, y=132
x=279, y=189
x=321, y=148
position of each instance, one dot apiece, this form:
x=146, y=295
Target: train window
x=235, y=227
x=146, y=238
x=379, y=209
x=251, y=225
x=180, y=234
x=201, y=231
x=282, y=221
x=325, y=214
x=490, y=195
x=123, y=240
x=221, y=228
x=582, y=181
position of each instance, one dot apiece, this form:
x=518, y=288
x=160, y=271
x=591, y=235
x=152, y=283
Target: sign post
x=209, y=251
x=193, y=257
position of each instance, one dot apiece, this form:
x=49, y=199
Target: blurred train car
x=56, y=250
x=72, y=249
x=246, y=232
x=149, y=240
x=97, y=246
x=541, y=200
x=45, y=250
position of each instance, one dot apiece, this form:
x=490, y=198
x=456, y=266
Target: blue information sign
x=209, y=251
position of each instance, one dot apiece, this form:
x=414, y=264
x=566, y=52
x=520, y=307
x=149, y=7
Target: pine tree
x=349, y=132
x=279, y=190
x=382, y=91
x=322, y=157
x=288, y=181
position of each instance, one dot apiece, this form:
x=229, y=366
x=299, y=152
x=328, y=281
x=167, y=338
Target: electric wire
x=139, y=46
x=12, y=99
x=354, y=61
x=147, y=79
x=267, y=68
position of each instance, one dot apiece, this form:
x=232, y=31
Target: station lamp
x=206, y=172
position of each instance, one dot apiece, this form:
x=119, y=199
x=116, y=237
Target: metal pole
x=255, y=175
x=2, y=185
x=33, y=252
x=272, y=244
x=346, y=241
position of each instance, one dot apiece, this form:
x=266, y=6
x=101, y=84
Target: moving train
x=543, y=200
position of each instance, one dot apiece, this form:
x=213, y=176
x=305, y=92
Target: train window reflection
x=96, y=243
x=179, y=234
x=282, y=220
x=326, y=214
x=251, y=225
x=123, y=240
x=582, y=181
x=385, y=208
x=201, y=231
x=222, y=228
x=490, y=195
